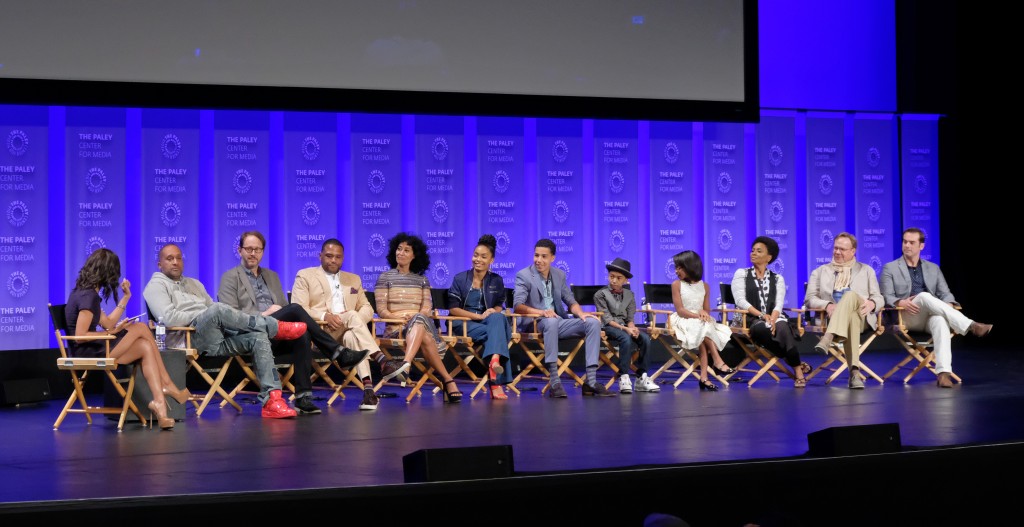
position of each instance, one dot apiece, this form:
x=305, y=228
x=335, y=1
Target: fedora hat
x=621, y=266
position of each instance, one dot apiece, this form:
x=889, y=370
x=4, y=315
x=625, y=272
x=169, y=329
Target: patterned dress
x=691, y=331
x=406, y=293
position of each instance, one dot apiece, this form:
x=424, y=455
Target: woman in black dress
x=100, y=277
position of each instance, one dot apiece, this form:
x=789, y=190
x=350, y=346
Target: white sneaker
x=624, y=385
x=645, y=384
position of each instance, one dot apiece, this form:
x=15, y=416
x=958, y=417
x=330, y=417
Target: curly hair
x=690, y=262
x=101, y=270
x=770, y=245
x=420, y=258
x=488, y=241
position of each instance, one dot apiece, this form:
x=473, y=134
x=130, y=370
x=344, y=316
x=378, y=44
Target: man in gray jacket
x=919, y=287
x=220, y=330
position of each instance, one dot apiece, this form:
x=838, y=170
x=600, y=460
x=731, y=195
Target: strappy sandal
x=494, y=368
x=804, y=367
x=452, y=397
x=799, y=383
x=498, y=392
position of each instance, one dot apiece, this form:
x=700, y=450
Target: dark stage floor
x=226, y=452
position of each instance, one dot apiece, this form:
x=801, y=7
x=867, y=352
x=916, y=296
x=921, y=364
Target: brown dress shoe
x=979, y=330
x=945, y=380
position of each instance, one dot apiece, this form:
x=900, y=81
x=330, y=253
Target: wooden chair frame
x=193, y=358
x=321, y=370
x=535, y=354
x=919, y=346
x=818, y=324
x=387, y=345
x=322, y=365
x=244, y=362
x=464, y=349
x=79, y=369
x=766, y=361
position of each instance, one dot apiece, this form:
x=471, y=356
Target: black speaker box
x=855, y=440
x=24, y=391
x=450, y=464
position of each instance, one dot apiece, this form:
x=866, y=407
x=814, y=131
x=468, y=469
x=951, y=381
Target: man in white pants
x=919, y=288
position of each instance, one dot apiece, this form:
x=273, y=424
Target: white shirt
x=337, y=298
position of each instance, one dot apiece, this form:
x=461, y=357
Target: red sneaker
x=290, y=330
x=276, y=408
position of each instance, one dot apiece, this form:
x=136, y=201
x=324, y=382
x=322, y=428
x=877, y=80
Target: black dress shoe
x=304, y=405
x=707, y=386
x=557, y=392
x=722, y=372
x=597, y=390
x=348, y=357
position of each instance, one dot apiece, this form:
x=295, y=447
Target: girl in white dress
x=692, y=320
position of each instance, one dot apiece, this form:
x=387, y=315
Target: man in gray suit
x=919, y=287
x=256, y=290
x=847, y=291
x=541, y=290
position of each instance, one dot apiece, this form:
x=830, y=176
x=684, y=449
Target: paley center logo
x=17, y=213
x=242, y=181
x=170, y=146
x=17, y=143
x=170, y=214
x=671, y=152
x=501, y=181
x=377, y=245
x=310, y=213
x=560, y=151
x=310, y=148
x=376, y=181
x=17, y=284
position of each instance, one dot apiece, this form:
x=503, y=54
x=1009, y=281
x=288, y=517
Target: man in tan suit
x=847, y=291
x=329, y=294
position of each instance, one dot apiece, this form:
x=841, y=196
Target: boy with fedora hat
x=619, y=307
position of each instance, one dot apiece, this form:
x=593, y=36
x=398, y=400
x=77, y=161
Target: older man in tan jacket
x=336, y=297
x=847, y=291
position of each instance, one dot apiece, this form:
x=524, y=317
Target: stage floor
x=227, y=452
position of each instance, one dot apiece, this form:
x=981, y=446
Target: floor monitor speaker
x=450, y=464
x=855, y=440
x=24, y=391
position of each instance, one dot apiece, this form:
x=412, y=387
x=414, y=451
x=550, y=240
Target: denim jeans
x=626, y=345
x=223, y=331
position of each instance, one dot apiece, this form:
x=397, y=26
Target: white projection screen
x=656, y=59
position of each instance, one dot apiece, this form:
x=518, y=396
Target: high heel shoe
x=452, y=397
x=178, y=394
x=707, y=385
x=160, y=411
x=498, y=392
x=722, y=372
x=494, y=369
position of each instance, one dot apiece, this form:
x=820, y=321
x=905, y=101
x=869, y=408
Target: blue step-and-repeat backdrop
x=73, y=179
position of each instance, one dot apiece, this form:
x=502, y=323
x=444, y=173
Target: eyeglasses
x=253, y=250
